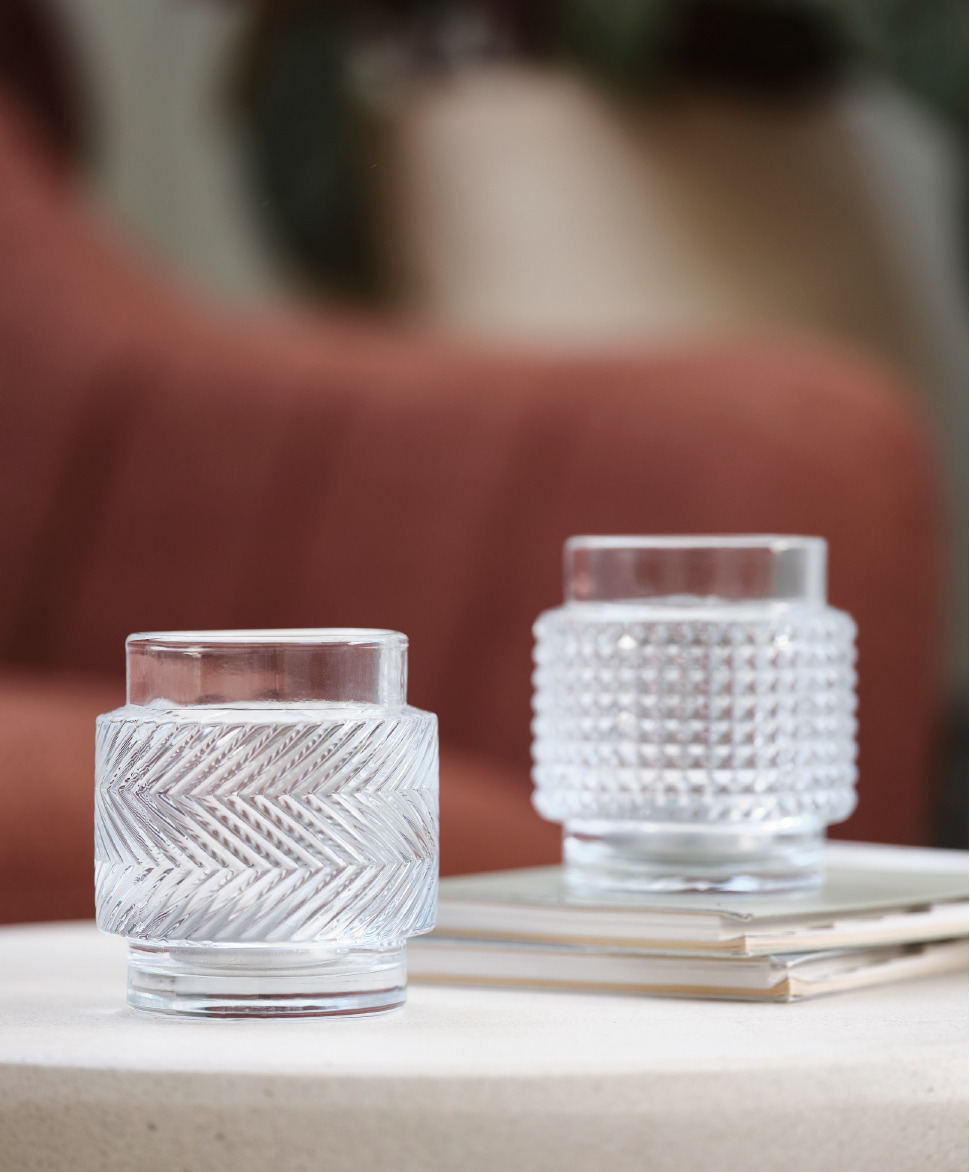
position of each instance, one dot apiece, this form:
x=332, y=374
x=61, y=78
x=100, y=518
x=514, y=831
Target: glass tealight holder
x=694, y=708
x=266, y=822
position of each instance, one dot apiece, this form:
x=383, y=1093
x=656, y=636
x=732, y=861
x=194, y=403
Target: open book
x=872, y=896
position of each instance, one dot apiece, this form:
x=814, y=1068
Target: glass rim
x=730, y=567
x=776, y=542
x=299, y=664
x=270, y=637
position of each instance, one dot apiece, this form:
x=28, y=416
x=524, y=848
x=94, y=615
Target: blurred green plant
x=317, y=75
x=309, y=149
x=920, y=45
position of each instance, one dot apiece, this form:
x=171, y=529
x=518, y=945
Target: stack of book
x=883, y=914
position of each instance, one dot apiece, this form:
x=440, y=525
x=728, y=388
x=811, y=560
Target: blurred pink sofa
x=167, y=465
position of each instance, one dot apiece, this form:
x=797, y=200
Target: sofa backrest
x=164, y=464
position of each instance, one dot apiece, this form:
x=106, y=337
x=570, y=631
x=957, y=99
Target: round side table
x=463, y=1080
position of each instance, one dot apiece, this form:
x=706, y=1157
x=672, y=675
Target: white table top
x=468, y=1078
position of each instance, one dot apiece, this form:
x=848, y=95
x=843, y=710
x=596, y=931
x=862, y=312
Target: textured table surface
x=472, y=1079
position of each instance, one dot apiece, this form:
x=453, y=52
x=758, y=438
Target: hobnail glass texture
x=269, y=846
x=694, y=742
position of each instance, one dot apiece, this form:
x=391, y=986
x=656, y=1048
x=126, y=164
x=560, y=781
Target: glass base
x=265, y=980
x=671, y=857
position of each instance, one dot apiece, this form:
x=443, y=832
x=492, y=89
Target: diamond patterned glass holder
x=694, y=714
x=266, y=822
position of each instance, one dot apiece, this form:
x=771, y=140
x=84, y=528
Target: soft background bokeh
x=575, y=174
x=574, y=182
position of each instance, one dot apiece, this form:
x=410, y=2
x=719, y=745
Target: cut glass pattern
x=694, y=718
x=268, y=826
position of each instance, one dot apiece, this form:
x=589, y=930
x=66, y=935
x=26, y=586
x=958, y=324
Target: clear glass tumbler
x=694, y=713
x=266, y=822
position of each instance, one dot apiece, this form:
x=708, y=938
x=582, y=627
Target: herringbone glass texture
x=274, y=824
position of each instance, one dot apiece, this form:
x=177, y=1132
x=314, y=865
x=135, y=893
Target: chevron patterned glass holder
x=694, y=713
x=266, y=822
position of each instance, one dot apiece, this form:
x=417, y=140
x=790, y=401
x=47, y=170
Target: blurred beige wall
x=168, y=156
